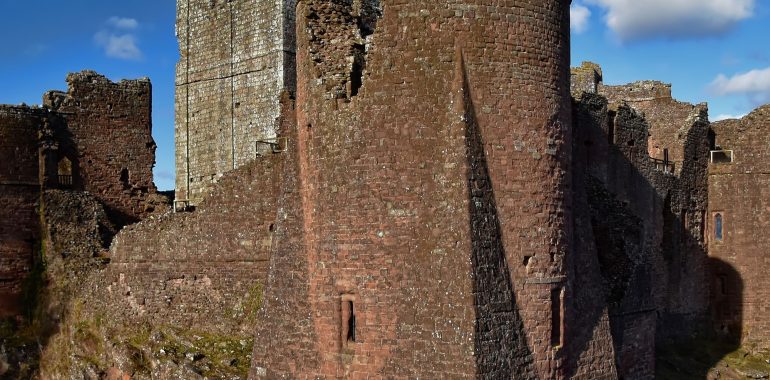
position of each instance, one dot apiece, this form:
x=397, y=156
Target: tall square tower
x=236, y=57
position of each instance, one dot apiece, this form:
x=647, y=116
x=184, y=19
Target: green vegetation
x=253, y=302
x=694, y=358
x=210, y=355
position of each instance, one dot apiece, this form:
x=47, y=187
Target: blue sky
x=715, y=51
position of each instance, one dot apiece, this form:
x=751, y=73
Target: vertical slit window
x=557, y=309
x=718, y=226
x=348, y=321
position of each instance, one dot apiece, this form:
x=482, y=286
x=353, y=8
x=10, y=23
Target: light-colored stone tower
x=236, y=57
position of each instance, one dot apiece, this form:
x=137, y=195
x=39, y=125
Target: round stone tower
x=432, y=151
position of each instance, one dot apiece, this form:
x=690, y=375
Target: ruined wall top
x=76, y=82
x=746, y=139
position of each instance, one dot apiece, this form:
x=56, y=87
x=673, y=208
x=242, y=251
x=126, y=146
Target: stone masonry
x=737, y=224
x=236, y=57
x=397, y=189
x=19, y=192
x=430, y=247
x=96, y=138
x=646, y=214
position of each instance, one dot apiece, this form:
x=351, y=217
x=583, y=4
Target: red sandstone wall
x=199, y=269
x=669, y=119
x=106, y=130
x=645, y=222
x=740, y=191
x=19, y=190
x=433, y=195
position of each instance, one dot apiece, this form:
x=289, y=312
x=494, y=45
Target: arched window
x=718, y=226
x=64, y=170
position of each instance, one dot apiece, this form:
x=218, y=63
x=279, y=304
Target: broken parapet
x=103, y=131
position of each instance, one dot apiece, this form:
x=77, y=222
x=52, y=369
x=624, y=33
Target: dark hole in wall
x=556, y=317
x=348, y=326
x=611, y=126
x=357, y=71
x=125, y=177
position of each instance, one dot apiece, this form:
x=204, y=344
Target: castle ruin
x=393, y=189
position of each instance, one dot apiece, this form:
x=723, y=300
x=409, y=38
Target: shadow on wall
x=699, y=356
x=500, y=345
x=642, y=229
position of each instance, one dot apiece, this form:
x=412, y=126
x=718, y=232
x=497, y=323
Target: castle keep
x=391, y=189
x=236, y=57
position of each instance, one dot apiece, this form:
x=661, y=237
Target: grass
x=694, y=358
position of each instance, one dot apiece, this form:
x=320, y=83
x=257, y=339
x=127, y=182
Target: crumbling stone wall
x=668, y=118
x=199, y=268
x=739, y=192
x=236, y=57
x=97, y=138
x=105, y=130
x=646, y=218
x=19, y=191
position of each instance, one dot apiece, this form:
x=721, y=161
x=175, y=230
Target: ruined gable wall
x=235, y=59
x=19, y=191
x=669, y=119
x=422, y=199
x=107, y=134
x=740, y=192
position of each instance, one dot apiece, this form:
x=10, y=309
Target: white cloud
x=640, y=19
x=751, y=82
x=123, y=23
x=579, y=16
x=117, y=41
x=122, y=46
x=725, y=116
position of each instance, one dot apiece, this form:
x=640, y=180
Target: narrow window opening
x=125, y=178
x=685, y=219
x=348, y=327
x=611, y=126
x=357, y=71
x=526, y=260
x=557, y=305
x=631, y=143
x=712, y=140
x=722, y=284
x=718, y=226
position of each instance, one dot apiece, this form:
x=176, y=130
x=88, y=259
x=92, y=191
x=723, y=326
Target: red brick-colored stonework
x=95, y=138
x=425, y=190
x=105, y=130
x=739, y=191
x=433, y=190
x=645, y=214
x=19, y=191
